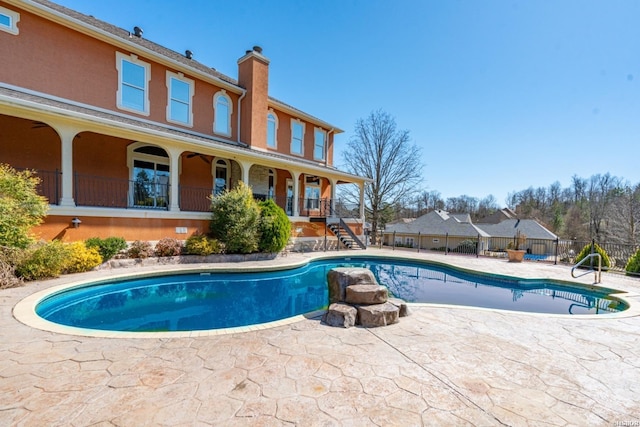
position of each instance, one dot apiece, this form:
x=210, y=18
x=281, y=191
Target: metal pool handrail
x=598, y=272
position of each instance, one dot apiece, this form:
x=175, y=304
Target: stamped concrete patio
x=440, y=366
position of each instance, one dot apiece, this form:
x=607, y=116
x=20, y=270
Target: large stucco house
x=131, y=138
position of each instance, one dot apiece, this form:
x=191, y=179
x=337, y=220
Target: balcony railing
x=195, y=199
x=50, y=185
x=95, y=191
x=120, y=193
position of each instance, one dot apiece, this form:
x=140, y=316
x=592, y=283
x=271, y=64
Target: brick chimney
x=253, y=75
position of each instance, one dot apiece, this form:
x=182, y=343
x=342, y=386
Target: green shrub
x=199, y=244
x=274, y=227
x=42, y=261
x=235, y=218
x=109, y=247
x=140, y=249
x=606, y=262
x=168, y=247
x=80, y=258
x=633, y=265
x=21, y=207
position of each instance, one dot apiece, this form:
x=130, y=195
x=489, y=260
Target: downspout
x=244, y=93
x=332, y=203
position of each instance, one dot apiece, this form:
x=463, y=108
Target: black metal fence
x=537, y=250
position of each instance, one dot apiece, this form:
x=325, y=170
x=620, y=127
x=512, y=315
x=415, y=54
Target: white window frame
x=120, y=57
x=295, y=122
x=181, y=78
x=409, y=241
x=133, y=155
x=275, y=128
x=316, y=132
x=14, y=18
x=222, y=94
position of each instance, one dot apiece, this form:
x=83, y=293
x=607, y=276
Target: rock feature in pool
x=356, y=298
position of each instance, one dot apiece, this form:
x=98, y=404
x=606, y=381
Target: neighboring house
x=437, y=229
x=498, y=216
x=539, y=240
x=131, y=138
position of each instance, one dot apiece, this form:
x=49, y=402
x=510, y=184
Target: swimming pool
x=215, y=300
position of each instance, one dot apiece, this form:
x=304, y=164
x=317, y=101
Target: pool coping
x=24, y=310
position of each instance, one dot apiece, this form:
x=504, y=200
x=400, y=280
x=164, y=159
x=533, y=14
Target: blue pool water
x=201, y=301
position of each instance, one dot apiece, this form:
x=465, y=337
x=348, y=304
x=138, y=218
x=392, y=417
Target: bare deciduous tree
x=624, y=216
x=381, y=152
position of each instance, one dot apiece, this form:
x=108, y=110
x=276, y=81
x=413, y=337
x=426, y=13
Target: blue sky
x=500, y=95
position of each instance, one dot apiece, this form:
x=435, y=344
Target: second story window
x=272, y=130
x=222, y=109
x=319, y=141
x=297, y=137
x=180, y=91
x=9, y=20
x=133, y=83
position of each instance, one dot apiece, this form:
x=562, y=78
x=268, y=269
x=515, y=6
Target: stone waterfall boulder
x=340, y=314
x=366, y=294
x=356, y=298
x=374, y=315
x=342, y=277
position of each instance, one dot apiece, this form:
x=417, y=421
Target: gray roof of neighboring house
x=509, y=227
x=439, y=223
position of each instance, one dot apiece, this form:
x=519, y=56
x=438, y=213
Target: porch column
x=361, y=201
x=296, y=190
x=174, y=173
x=332, y=203
x=246, y=167
x=67, y=134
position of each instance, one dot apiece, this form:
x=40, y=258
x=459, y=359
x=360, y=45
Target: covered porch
x=97, y=170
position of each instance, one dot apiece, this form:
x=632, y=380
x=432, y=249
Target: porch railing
x=50, y=184
x=96, y=191
x=119, y=193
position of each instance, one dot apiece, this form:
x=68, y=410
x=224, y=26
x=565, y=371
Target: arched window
x=150, y=177
x=221, y=180
x=272, y=130
x=222, y=107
